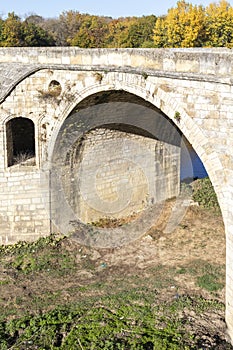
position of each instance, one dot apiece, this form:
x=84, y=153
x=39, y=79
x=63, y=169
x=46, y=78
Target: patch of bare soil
x=190, y=261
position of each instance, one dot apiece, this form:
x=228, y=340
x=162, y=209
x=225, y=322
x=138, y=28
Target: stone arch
x=20, y=141
x=196, y=137
x=161, y=100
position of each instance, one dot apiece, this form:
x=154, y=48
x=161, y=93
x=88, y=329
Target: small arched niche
x=20, y=141
x=55, y=88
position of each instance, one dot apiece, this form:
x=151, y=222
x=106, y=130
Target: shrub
x=204, y=194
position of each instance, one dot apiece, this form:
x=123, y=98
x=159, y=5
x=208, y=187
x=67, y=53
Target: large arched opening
x=99, y=144
x=90, y=117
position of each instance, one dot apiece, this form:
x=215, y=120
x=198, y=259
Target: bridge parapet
x=212, y=61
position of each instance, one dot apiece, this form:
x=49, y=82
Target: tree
x=160, y=33
x=65, y=27
x=140, y=31
x=91, y=33
x=1, y=28
x=219, y=24
x=184, y=26
x=34, y=35
x=12, y=31
x=35, y=19
x=117, y=32
x=131, y=32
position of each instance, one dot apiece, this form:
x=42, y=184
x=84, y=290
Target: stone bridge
x=60, y=105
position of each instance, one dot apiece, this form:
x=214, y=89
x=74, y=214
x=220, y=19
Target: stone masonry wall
x=116, y=174
x=23, y=215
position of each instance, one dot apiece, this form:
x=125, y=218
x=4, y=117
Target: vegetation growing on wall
x=184, y=25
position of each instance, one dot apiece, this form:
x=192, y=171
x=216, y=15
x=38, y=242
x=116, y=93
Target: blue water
x=191, y=164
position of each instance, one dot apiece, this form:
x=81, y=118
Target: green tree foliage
x=139, y=31
x=36, y=36
x=92, y=33
x=72, y=28
x=185, y=25
x=14, y=32
x=1, y=28
x=11, y=34
x=89, y=31
x=144, y=31
x=131, y=32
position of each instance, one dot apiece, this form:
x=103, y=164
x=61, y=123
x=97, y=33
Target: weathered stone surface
x=192, y=88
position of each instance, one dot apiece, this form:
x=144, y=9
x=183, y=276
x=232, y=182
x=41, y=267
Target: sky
x=115, y=9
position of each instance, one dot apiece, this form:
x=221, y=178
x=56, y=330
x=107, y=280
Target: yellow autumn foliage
x=188, y=25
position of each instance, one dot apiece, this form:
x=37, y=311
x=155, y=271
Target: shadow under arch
x=163, y=106
x=161, y=102
x=127, y=113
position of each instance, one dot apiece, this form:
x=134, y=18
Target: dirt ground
x=175, y=262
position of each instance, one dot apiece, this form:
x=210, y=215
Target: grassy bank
x=160, y=292
x=56, y=294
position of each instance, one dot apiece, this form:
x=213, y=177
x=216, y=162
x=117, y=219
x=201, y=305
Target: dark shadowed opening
x=20, y=135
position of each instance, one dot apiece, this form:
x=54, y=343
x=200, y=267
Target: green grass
x=122, y=321
x=209, y=282
x=210, y=277
x=46, y=255
x=112, y=310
